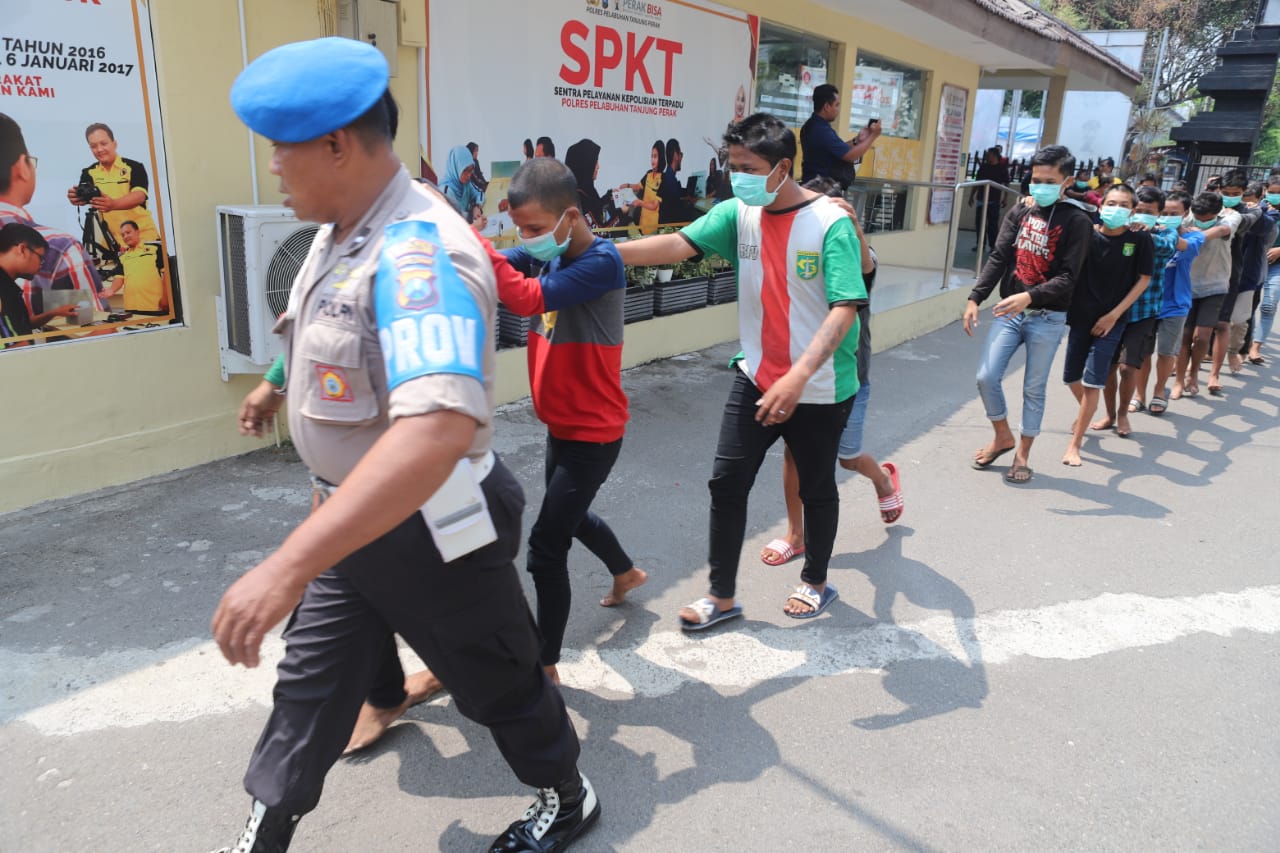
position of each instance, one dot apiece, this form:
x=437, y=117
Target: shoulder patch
x=428, y=321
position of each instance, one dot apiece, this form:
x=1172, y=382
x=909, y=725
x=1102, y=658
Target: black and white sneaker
x=552, y=822
x=267, y=831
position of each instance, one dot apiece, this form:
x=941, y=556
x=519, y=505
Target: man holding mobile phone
x=826, y=155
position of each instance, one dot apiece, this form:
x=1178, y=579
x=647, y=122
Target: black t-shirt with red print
x=1041, y=251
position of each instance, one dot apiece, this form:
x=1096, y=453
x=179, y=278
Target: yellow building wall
x=122, y=407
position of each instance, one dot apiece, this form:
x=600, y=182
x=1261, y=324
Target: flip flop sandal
x=980, y=464
x=892, y=507
x=1158, y=406
x=1011, y=477
x=783, y=549
x=1136, y=405
x=709, y=614
x=1258, y=360
x=806, y=594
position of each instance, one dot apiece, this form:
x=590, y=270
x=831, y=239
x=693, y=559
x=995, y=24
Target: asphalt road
x=1087, y=662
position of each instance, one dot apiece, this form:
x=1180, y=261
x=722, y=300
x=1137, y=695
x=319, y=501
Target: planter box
x=684, y=294
x=513, y=330
x=722, y=287
x=638, y=304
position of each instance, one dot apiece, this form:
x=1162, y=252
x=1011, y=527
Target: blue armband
x=428, y=321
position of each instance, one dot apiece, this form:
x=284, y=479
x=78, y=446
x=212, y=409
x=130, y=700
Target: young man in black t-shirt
x=22, y=250
x=1118, y=271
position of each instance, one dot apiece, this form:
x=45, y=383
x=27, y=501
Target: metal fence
x=1200, y=173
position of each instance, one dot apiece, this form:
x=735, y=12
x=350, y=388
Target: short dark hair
x=1179, y=186
x=1256, y=189
x=673, y=148
x=20, y=234
x=473, y=148
x=12, y=148
x=1106, y=161
x=1236, y=179
x=1123, y=189
x=548, y=147
x=1150, y=176
x=1272, y=180
x=546, y=182
x=1057, y=156
x=1182, y=197
x=1206, y=204
x=1150, y=195
x=96, y=126
x=828, y=186
x=379, y=123
x=528, y=149
x=824, y=94
x=765, y=136
x=130, y=222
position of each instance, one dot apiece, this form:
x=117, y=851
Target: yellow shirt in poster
x=123, y=177
x=649, y=218
x=143, y=278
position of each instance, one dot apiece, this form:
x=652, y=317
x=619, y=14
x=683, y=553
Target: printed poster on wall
x=633, y=96
x=948, y=151
x=81, y=149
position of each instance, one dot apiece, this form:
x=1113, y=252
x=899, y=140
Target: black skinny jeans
x=575, y=471
x=813, y=435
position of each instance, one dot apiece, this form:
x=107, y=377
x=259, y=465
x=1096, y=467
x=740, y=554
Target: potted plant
x=686, y=290
x=638, y=302
x=722, y=281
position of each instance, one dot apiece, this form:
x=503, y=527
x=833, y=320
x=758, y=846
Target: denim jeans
x=1267, y=310
x=1041, y=332
x=812, y=434
x=851, y=438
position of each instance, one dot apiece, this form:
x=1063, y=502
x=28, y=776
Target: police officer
x=388, y=340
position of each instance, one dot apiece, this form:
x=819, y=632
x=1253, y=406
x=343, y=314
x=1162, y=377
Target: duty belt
x=322, y=488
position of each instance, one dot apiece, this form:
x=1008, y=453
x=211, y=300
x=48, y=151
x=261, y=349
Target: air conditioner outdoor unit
x=260, y=250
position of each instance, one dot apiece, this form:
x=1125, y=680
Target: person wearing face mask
x=572, y=283
x=1037, y=260
x=1175, y=299
x=1253, y=273
x=1254, y=227
x=1270, y=291
x=1210, y=283
x=1106, y=175
x=1118, y=272
x=1124, y=392
x=799, y=289
x=1078, y=190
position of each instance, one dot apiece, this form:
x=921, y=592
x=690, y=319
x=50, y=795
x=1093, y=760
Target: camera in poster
x=633, y=96
x=85, y=246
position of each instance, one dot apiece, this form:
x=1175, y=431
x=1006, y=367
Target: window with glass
x=789, y=65
x=889, y=91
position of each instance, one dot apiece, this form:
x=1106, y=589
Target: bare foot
x=373, y=722
x=552, y=673
x=1122, y=425
x=1104, y=422
x=1176, y=393
x=1072, y=457
x=623, y=584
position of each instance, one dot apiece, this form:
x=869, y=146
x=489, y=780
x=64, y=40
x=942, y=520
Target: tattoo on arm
x=828, y=338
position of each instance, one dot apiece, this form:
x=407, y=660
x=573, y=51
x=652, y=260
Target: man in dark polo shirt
x=826, y=155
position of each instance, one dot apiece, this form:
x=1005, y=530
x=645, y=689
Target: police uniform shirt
x=371, y=336
x=143, y=282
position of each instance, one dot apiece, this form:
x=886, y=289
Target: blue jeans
x=1267, y=309
x=1088, y=359
x=1041, y=332
x=851, y=438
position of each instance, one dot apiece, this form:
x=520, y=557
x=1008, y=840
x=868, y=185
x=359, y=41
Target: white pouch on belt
x=458, y=515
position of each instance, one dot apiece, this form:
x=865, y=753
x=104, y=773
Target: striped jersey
x=793, y=266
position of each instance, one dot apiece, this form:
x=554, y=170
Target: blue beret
x=301, y=91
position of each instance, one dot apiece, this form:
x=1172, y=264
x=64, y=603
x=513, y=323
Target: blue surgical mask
x=1172, y=222
x=1231, y=201
x=1114, y=216
x=544, y=247
x=1082, y=185
x=1205, y=226
x=1147, y=219
x=1273, y=199
x=753, y=189
x=1046, y=194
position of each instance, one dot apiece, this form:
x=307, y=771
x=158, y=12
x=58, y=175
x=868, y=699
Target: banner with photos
x=82, y=168
x=633, y=96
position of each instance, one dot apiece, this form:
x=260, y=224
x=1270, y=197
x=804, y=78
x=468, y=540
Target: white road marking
x=63, y=695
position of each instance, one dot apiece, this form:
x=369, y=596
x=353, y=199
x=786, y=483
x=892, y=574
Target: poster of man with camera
x=77, y=87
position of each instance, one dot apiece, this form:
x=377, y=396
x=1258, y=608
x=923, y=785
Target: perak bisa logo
x=642, y=8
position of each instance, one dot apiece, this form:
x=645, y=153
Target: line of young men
x=1158, y=275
